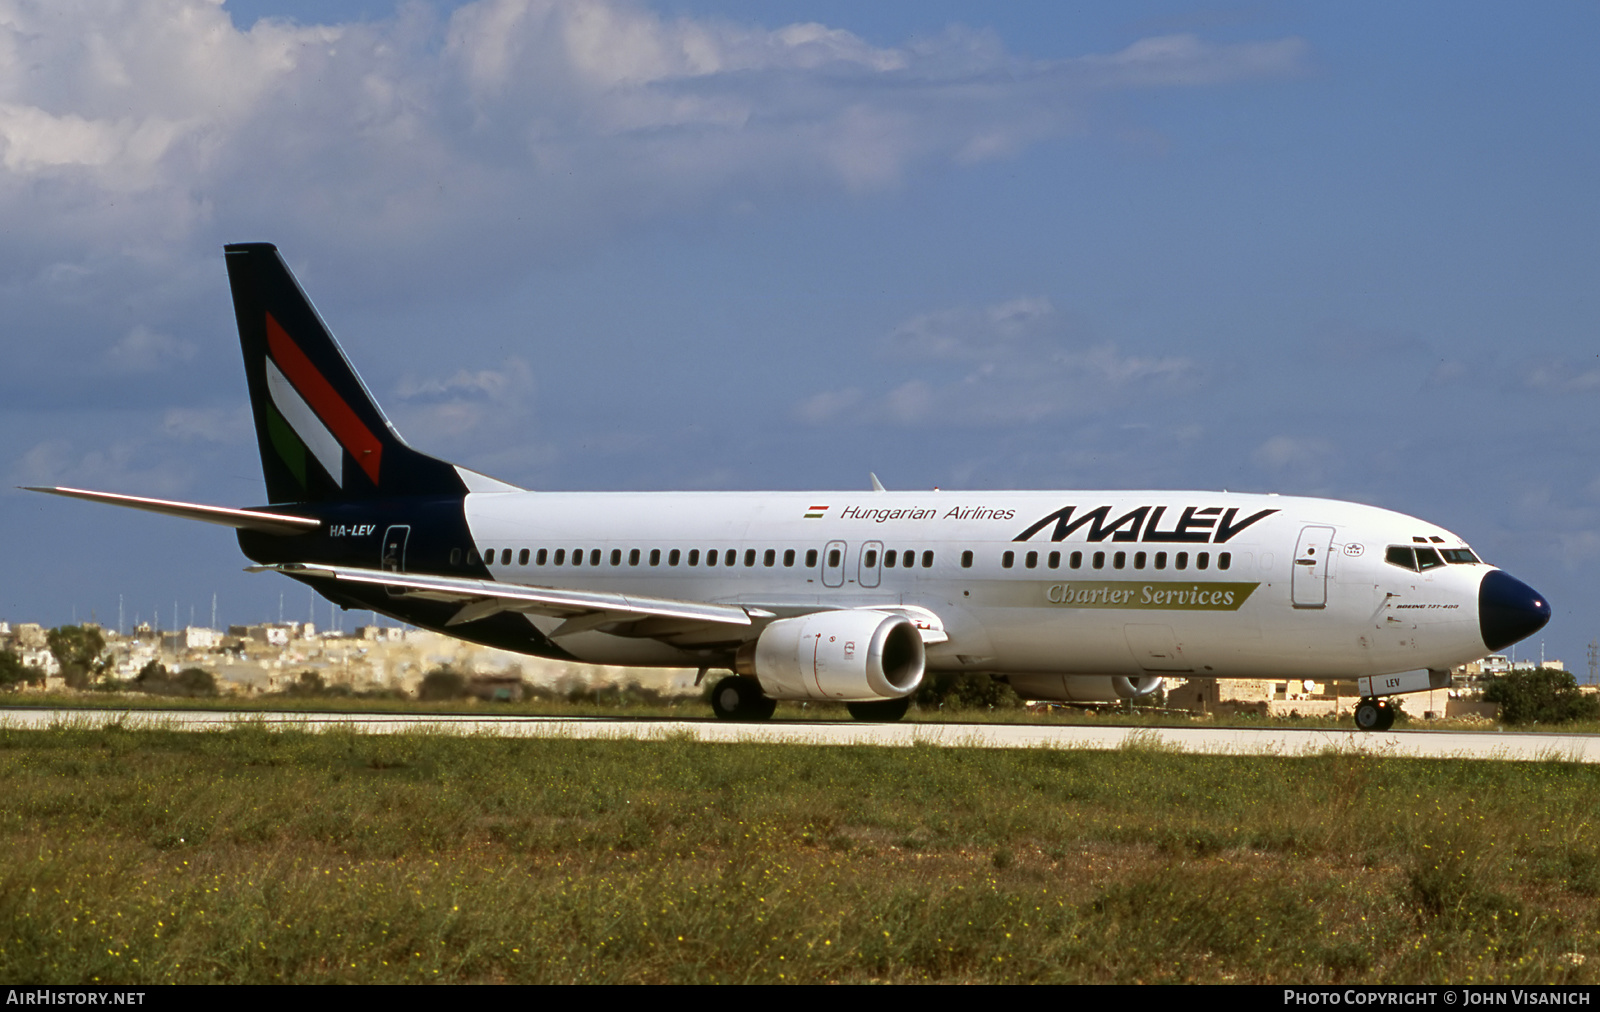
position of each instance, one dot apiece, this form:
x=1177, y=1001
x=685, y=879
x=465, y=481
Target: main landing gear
x=880, y=711
x=739, y=698
x=1374, y=714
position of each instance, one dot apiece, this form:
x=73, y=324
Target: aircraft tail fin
x=321, y=433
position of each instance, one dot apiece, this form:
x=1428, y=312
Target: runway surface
x=1516, y=746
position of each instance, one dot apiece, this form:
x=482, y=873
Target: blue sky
x=1347, y=251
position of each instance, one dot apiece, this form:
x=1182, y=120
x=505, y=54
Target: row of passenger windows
x=769, y=558
x=1119, y=560
x=1419, y=559
x=694, y=557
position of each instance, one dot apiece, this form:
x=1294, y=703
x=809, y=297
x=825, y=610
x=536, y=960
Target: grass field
x=256, y=856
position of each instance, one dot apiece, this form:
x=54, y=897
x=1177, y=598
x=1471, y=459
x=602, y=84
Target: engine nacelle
x=1084, y=688
x=855, y=654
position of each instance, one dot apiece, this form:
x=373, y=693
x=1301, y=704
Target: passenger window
x=1427, y=558
x=522, y=557
x=769, y=557
x=673, y=557
x=655, y=556
x=811, y=558
x=594, y=557
x=1031, y=560
x=1402, y=556
x=749, y=557
x=1076, y=561
x=633, y=557
x=1202, y=560
x=561, y=556
x=455, y=556
x=1138, y=560
x=1007, y=560
x=1161, y=560
x=1182, y=561
x=927, y=560
x=694, y=556
x=577, y=556
x=1099, y=560
x=711, y=557
x=1225, y=560
x=966, y=559
x=888, y=559
x=871, y=559
x=1119, y=560
x=1054, y=561
x=616, y=556
x=542, y=557
x=788, y=558
x=488, y=557
x=833, y=558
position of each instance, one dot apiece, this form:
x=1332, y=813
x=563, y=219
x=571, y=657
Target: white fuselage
x=1124, y=583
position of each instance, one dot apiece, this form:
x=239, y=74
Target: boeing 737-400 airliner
x=848, y=596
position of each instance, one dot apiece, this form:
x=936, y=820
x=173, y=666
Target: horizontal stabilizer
x=482, y=598
x=246, y=520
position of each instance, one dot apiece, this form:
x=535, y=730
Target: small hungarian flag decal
x=816, y=512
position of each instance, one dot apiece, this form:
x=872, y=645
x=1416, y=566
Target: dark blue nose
x=1509, y=610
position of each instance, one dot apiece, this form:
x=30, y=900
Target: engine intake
x=855, y=654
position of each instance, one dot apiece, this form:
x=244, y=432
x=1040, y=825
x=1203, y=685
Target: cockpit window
x=1427, y=558
x=1402, y=556
x=1459, y=556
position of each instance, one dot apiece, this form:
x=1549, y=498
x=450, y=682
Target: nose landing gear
x=1374, y=714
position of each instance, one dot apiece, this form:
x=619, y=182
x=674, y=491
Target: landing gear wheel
x=1374, y=715
x=882, y=711
x=740, y=698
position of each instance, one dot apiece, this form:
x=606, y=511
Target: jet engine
x=1084, y=688
x=855, y=654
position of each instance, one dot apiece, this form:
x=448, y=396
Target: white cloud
x=1188, y=61
x=1012, y=362
x=124, y=465
x=208, y=425
x=1306, y=457
x=1563, y=377
x=128, y=126
x=143, y=350
x=828, y=406
x=469, y=404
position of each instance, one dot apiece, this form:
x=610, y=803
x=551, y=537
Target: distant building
x=29, y=636
x=1498, y=664
x=191, y=638
x=42, y=659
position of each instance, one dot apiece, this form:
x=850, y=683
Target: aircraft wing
x=583, y=610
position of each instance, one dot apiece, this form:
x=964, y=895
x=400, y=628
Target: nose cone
x=1509, y=610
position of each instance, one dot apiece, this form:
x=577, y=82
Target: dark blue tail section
x=322, y=435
